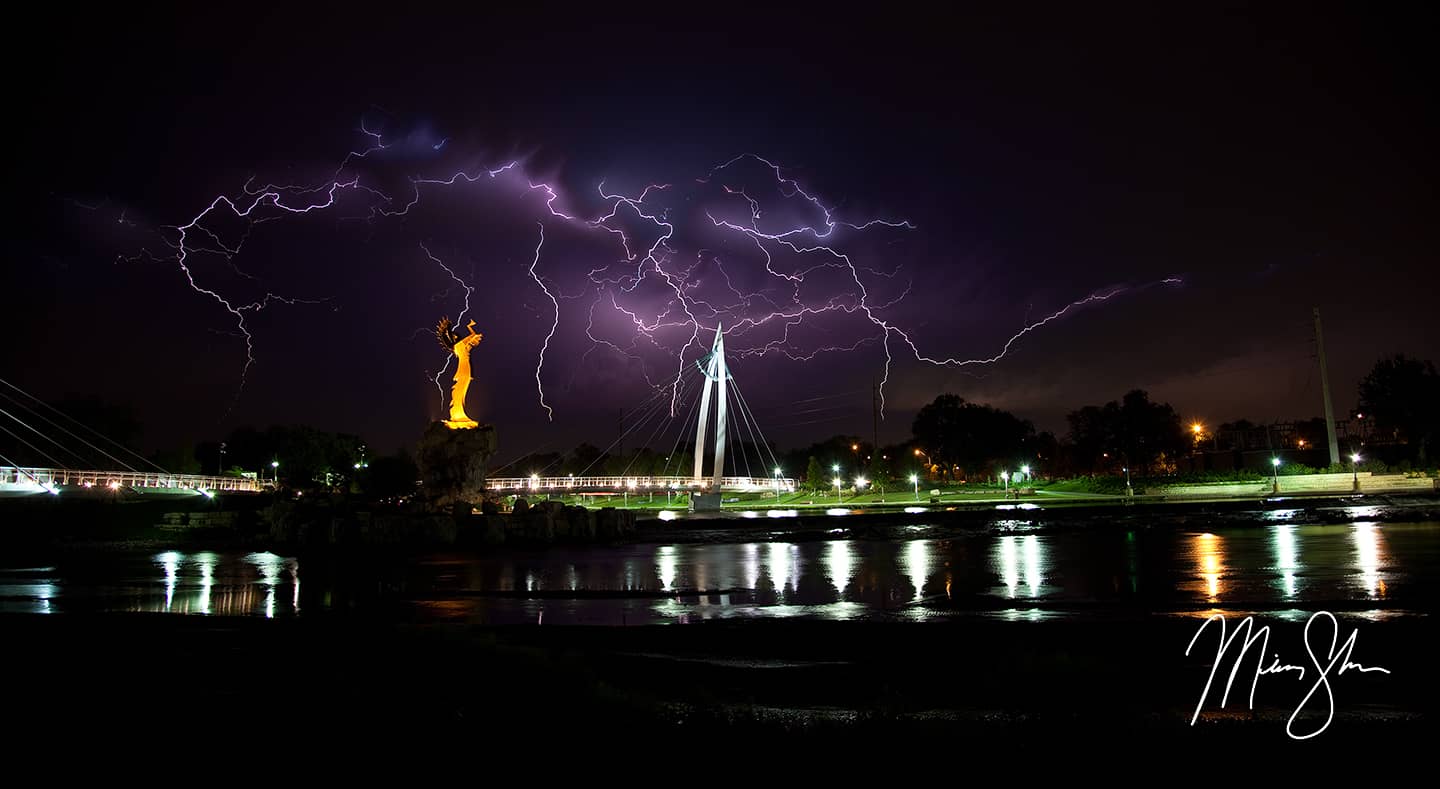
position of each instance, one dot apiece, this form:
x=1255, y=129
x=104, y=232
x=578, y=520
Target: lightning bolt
x=554, y=324
x=439, y=387
x=665, y=305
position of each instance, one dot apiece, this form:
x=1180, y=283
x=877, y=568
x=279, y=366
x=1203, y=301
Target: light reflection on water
x=1020, y=574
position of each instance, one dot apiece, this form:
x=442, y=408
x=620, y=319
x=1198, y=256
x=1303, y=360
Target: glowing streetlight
x=1355, y=470
x=837, y=490
x=860, y=482
x=1275, y=474
x=915, y=480
x=534, y=481
x=1026, y=471
x=1005, y=475
x=777, y=483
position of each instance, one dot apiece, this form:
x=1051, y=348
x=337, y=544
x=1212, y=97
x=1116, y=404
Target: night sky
x=1270, y=160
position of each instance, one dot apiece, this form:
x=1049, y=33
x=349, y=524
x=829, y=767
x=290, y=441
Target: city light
x=1197, y=428
x=860, y=482
x=915, y=480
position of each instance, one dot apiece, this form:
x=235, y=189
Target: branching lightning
x=763, y=257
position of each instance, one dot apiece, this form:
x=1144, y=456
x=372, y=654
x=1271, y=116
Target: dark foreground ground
x=935, y=691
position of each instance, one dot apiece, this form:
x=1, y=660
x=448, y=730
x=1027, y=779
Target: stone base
x=704, y=502
x=452, y=464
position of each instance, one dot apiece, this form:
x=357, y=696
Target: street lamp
x=1128, y=491
x=837, y=490
x=1275, y=474
x=1355, y=470
x=1026, y=471
x=777, y=483
x=1005, y=475
x=275, y=471
x=860, y=482
x=915, y=480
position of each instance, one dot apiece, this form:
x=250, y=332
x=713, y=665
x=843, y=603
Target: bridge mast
x=715, y=372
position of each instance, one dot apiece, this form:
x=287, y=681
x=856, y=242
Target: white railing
x=635, y=483
x=56, y=478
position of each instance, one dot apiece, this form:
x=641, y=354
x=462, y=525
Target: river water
x=1369, y=569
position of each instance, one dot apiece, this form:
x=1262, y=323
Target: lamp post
x=275, y=472
x=922, y=453
x=915, y=480
x=1355, y=471
x=1005, y=475
x=1026, y=471
x=777, y=484
x=837, y=491
x=859, y=483
x=1275, y=475
x=1128, y=490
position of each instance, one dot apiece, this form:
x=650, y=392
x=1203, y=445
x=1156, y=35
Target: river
x=1370, y=569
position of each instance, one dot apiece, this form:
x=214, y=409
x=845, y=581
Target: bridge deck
x=40, y=479
x=571, y=484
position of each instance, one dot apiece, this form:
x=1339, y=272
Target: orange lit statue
x=461, y=346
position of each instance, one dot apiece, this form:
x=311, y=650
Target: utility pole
x=1325, y=388
x=874, y=420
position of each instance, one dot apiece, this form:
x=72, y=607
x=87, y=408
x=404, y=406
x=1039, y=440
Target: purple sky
x=1270, y=163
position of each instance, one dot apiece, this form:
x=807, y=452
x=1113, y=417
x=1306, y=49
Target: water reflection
x=665, y=564
x=1287, y=558
x=1368, y=557
x=1285, y=566
x=269, y=566
x=839, y=565
x=917, y=564
x=783, y=567
x=1208, y=551
x=1017, y=556
x=206, y=563
x=170, y=560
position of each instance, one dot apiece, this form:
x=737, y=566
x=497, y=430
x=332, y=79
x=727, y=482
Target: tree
x=1402, y=395
x=1133, y=432
x=584, y=459
x=815, y=477
x=975, y=437
x=393, y=475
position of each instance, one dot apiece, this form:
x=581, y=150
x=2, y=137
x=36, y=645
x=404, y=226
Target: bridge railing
x=640, y=482
x=59, y=478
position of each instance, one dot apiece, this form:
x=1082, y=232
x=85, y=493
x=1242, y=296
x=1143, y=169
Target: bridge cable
x=81, y=424
x=42, y=452
x=83, y=460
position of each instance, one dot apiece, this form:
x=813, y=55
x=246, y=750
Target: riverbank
x=40, y=527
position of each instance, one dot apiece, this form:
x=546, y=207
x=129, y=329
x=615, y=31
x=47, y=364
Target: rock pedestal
x=453, y=462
